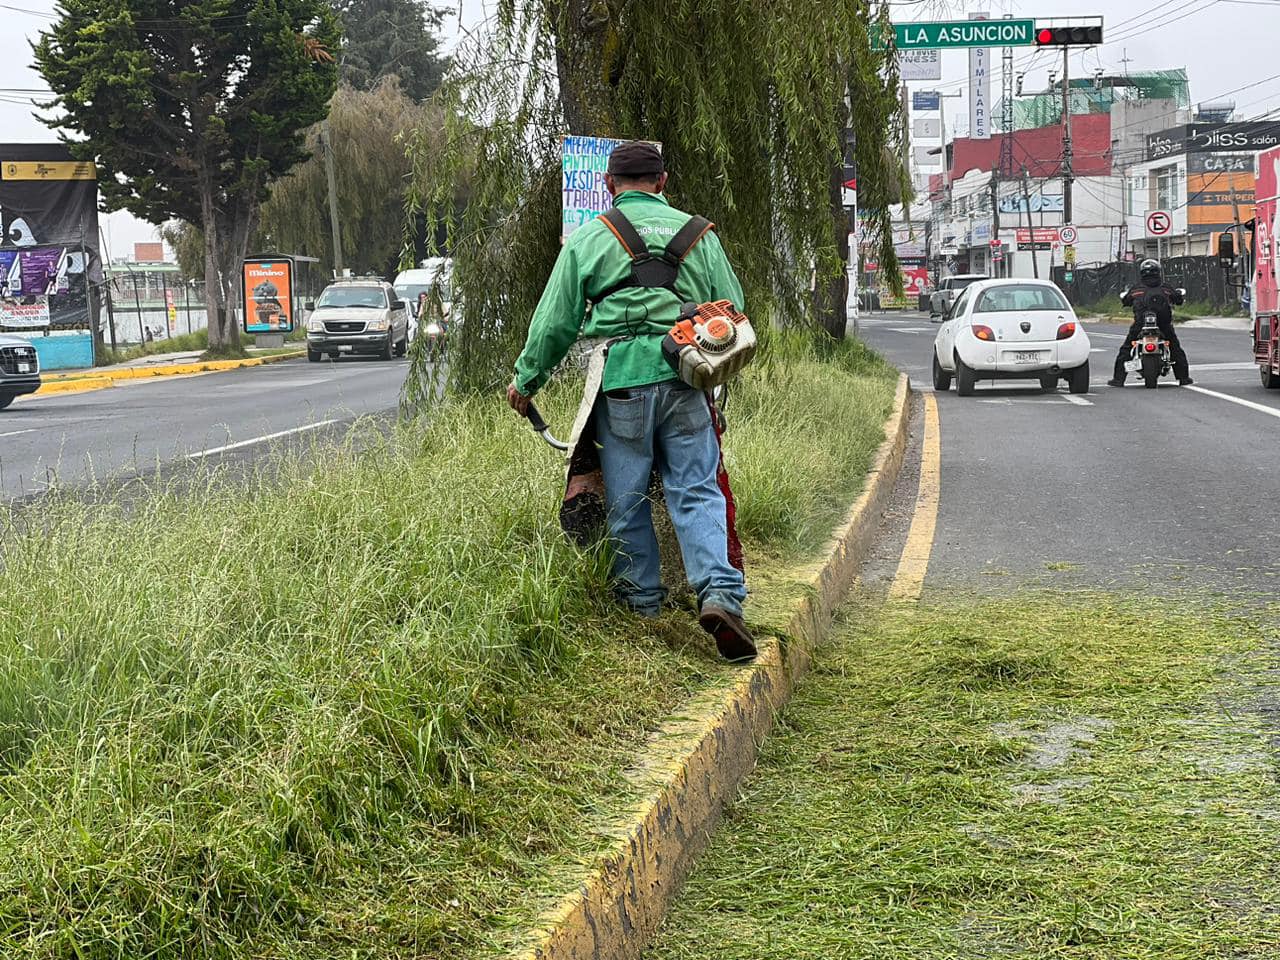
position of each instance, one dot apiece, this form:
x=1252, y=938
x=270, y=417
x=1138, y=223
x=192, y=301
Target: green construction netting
x=1043, y=109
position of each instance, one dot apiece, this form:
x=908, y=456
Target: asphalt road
x=1131, y=488
x=136, y=426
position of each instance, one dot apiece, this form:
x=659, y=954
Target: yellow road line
x=908, y=582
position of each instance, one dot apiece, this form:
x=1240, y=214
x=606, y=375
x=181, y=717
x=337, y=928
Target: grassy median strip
x=1089, y=778
x=362, y=703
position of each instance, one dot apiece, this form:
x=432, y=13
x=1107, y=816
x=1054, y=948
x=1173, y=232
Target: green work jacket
x=593, y=260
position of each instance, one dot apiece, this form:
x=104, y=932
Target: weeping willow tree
x=753, y=102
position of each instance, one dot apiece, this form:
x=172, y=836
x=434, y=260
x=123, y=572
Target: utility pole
x=995, y=215
x=327, y=143
x=1066, y=138
x=1031, y=231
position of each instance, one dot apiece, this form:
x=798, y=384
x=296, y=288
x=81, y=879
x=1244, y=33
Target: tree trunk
x=831, y=291
x=226, y=234
x=581, y=31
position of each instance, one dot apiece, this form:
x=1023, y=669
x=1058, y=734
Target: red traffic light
x=1069, y=36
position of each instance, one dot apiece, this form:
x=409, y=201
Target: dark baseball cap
x=635, y=159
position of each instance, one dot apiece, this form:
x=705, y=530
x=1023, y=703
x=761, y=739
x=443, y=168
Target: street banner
x=48, y=202
x=29, y=313
x=583, y=193
x=171, y=309
x=926, y=129
x=920, y=64
x=979, y=89
x=1043, y=237
x=268, y=295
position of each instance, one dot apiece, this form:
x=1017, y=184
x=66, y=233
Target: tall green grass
x=356, y=703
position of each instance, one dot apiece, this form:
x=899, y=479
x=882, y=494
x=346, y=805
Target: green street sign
x=960, y=33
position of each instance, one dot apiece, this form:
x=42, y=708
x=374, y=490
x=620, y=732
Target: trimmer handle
x=541, y=429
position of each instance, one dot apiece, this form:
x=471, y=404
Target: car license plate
x=24, y=368
x=344, y=348
x=1026, y=356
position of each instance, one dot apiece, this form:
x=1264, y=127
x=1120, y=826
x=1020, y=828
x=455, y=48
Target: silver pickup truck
x=940, y=300
x=19, y=368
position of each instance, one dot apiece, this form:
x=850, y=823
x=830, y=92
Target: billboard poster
x=27, y=313
x=1239, y=136
x=583, y=194
x=44, y=270
x=10, y=273
x=49, y=219
x=920, y=64
x=1219, y=186
x=268, y=295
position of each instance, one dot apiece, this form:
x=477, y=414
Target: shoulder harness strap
x=648, y=270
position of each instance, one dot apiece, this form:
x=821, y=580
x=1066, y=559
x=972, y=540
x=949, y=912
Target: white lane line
x=1077, y=400
x=906, y=329
x=262, y=439
x=1226, y=366
x=1098, y=350
x=1261, y=408
x=17, y=433
x=1108, y=336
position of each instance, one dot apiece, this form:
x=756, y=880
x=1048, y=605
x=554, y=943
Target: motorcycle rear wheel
x=1151, y=371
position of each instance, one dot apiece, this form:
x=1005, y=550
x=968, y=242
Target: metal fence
x=1204, y=280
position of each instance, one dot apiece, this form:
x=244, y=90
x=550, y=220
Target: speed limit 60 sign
x=1067, y=234
x=1159, y=222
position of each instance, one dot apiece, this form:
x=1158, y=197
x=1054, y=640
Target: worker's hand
x=519, y=402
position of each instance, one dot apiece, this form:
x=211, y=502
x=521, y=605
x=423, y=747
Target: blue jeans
x=668, y=424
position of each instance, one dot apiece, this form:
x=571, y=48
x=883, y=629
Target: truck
x=1259, y=267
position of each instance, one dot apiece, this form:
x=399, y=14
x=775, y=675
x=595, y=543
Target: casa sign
x=941, y=34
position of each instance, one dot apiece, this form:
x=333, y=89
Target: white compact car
x=1014, y=329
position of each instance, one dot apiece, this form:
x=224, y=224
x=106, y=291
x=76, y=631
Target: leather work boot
x=733, y=639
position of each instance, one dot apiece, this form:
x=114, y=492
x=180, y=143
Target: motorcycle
x=435, y=334
x=1150, y=355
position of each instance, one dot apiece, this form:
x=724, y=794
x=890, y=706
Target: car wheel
x=6, y=399
x=1048, y=382
x=314, y=356
x=403, y=346
x=965, y=378
x=941, y=379
x=388, y=348
x=1269, y=380
x=1078, y=378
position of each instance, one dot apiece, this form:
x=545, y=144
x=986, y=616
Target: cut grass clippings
x=366, y=702
x=1036, y=777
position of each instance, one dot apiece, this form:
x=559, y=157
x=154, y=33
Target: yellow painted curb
x=78, y=383
x=82, y=385
x=696, y=763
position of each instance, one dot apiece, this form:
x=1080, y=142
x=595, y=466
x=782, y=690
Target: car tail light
x=1150, y=347
x=983, y=332
x=1066, y=330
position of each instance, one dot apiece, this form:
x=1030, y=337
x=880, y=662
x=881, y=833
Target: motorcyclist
x=1152, y=295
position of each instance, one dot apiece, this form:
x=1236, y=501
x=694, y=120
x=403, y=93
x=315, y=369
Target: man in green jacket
x=649, y=416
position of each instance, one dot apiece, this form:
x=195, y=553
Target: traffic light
x=1069, y=36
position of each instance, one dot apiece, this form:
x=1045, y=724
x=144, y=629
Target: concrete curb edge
x=696, y=763
x=102, y=379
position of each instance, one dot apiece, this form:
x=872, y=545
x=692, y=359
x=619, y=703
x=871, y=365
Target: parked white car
x=1014, y=329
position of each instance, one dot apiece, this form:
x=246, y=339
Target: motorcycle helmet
x=1149, y=271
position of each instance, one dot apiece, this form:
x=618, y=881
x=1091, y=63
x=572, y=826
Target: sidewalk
x=1013, y=778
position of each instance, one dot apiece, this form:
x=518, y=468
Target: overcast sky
x=1223, y=44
